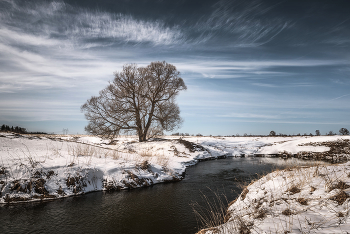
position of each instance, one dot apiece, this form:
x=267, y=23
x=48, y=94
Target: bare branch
x=140, y=99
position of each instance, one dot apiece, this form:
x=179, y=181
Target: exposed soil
x=192, y=147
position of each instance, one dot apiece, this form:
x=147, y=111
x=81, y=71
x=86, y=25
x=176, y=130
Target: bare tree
x=318, y=133
x=272, y=133
x=140, y=100
x=344, y=131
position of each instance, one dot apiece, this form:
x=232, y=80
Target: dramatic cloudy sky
x=250, y=66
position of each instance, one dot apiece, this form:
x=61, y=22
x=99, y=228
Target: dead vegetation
x=340, y=185
x=339, y=151
x=261, y=214
x=134, y=181
x=39, y=186
x=144, y=165
x=302, y=201
x=299, y=183
x=244, y=193
x=340, y=198
x=293, y=190
x=2, y=170
x=76, y=183
x=287, y=212
x=192, y=147
x=213, y=212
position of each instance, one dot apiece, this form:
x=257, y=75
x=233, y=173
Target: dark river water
x=163, y=208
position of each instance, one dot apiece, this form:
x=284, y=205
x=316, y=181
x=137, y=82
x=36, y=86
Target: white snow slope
x=299, y=200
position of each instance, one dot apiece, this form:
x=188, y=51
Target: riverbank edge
x=35, y=190
x=342, y=190
x=78, y=183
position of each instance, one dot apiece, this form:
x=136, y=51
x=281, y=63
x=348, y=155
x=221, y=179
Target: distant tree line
x=17, y=129
x=342, y=131
x=6, y=128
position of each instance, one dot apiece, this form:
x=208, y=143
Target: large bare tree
x=140, y=100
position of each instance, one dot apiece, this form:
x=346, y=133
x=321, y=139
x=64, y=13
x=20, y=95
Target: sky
x=249, y=66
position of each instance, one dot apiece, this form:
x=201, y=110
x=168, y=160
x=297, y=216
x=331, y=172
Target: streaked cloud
x=256, y=61
x=56, y=20
x=248, y=116
x=244, y=21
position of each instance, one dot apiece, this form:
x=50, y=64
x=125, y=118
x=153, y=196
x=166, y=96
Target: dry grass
x=87, y=150
x=244, y=193
x=287, y=212
x=213, y=212
x=144, y=165
x=146, y=152
x=302, y=201
x=340, y=198
x=293, y=190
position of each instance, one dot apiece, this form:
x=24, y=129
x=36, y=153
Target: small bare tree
x=140, y=99
x=318, y=133
x=344, y=131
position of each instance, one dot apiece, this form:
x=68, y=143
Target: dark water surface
x=163, y=208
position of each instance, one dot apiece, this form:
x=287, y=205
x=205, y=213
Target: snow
x=49, y=167
x=299, y=200
x=293, y=145
x=34, y=168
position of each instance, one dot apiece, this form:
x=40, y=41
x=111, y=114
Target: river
x=163, y=208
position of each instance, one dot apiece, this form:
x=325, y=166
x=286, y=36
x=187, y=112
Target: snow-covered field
x=48, y=167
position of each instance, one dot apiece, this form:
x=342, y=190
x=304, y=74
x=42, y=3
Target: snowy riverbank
x=49, y=167
x=299, y=200
x=296, y=200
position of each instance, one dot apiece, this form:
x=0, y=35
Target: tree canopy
x=139, y=99
x=344, y=131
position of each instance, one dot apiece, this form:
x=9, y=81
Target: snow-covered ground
x=301, y=200
x=48, y=167
x=295, y=200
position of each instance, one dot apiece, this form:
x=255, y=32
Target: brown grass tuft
x=144, y=165
x=340, y=185
x=293, y=190
x=261, y=214
x=302, y=201
x=244, y=193
x=287, y=212
x=340, y=215
x=340, y=198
